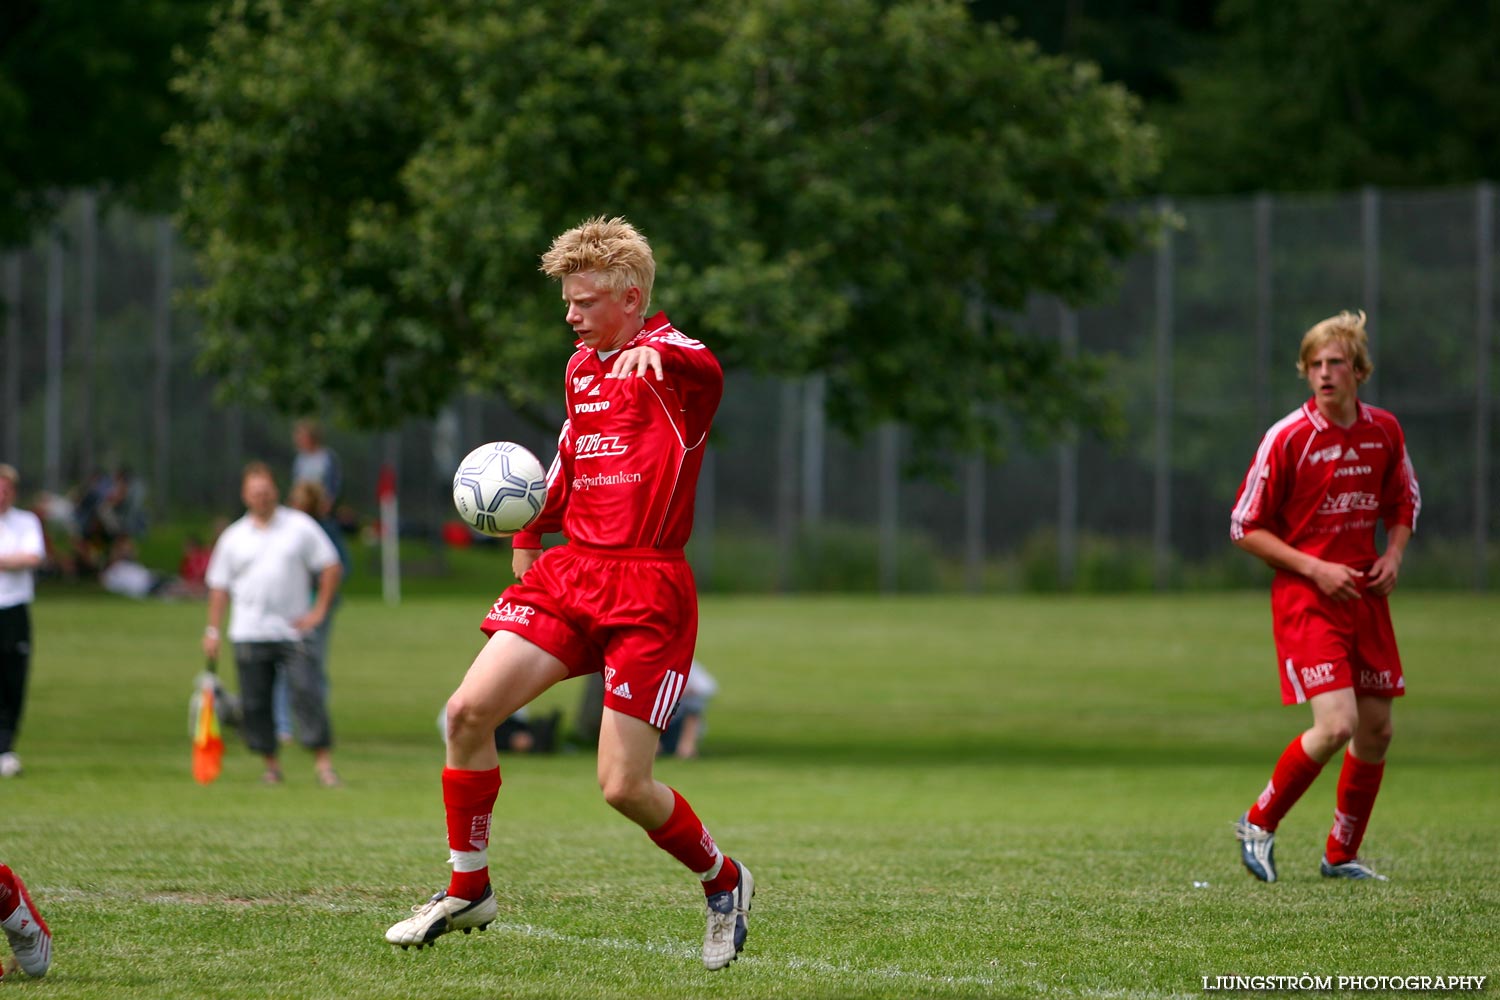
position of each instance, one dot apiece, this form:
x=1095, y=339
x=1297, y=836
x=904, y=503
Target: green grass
x=940, y=797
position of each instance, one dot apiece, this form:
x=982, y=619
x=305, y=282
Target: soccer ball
x=499, y=488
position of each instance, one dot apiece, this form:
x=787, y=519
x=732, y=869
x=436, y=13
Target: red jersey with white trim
x=1320, y=487
x=628, y=457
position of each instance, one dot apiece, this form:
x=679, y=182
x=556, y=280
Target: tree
x=1330, y=96
x=84, y=102
x=866, y=189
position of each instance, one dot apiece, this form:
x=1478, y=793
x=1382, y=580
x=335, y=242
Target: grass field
x=940, y=797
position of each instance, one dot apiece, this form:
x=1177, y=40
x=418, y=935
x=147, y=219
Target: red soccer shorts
x=631, y=613
x=1326, y=645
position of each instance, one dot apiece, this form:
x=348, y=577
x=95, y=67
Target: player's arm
x=526, y=544
x=1387, y=568
x=1334, y=579
x=670, y=354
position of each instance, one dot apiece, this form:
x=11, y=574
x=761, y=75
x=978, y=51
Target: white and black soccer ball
x=499, y=488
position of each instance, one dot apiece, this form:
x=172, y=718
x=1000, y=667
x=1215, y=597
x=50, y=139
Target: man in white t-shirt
x=22, y=549
x=260, y=568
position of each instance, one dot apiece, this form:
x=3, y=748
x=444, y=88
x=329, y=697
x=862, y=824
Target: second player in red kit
x=1323, y=478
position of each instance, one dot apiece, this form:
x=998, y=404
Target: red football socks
x=469, y=800
x=1359, y=783
x=1294, y=774
x=685, y=837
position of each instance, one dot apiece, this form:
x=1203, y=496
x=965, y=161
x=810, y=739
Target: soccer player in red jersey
x=619, y=598
x=1322, y=478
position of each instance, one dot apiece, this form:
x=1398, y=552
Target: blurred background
x=1106, y=225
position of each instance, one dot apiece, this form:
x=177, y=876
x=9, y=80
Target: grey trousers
x=259, y=663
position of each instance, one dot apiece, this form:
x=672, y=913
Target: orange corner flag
x=208, y=741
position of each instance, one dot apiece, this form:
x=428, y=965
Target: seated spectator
x=192, y=568
x=125, y=575
x=681, y=737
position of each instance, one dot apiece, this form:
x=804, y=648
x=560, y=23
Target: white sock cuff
x=713, y=872
x=468, y=861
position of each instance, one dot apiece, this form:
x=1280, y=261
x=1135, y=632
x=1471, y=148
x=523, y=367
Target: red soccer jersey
x=626, y=471
x=1319, y=487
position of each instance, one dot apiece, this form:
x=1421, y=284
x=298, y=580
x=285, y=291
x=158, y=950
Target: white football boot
x=728, y=921
x=441, y=914
x=28, y=934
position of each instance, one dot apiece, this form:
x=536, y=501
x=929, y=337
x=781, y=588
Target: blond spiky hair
x=612, y=250
x=1348, y=330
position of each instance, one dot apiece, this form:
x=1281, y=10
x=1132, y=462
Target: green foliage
x=84, y=101
x=832, y=187
x=940, y=798
x=1320, y=96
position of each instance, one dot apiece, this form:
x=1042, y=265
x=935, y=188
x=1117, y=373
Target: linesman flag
x=208, y=738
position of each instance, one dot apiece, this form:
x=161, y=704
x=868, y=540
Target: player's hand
x=1382, y=576
x=521, y=560
x=1336, y=580
x=637, y=361
x=211, y=647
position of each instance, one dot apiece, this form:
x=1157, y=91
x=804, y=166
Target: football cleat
x=1351, y=869
x=1257, y=849
x=728, y=921
x=441, y=914
x=27, y=932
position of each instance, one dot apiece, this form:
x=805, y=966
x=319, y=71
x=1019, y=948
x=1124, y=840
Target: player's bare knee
x=624, y=793
x=464, y=719
x=1333, y=734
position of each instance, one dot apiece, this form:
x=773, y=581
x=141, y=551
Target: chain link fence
x=1201, y=336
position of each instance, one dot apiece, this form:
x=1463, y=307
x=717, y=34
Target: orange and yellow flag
x=208, y=741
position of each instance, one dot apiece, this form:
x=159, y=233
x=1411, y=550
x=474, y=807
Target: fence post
x=813, y=450
x=974, y=546
x=1263, y=301
x=1483, y=324
x=1067, y=467
x=52, y=445
x=1369, y=228
x=161, y=336
x=1161, y=507
x=786, y=485
x=88, y=260
x=888, y=465
x=704, y=516
x=12, y=369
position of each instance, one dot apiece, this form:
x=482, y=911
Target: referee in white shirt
x=22, y=550
x=260, y=570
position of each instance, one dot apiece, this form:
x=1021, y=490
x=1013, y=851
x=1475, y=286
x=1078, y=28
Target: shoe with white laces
x=728, y=921
x=441, y=914
x=1351, y=869
x=1257, y=849
x=27, y=932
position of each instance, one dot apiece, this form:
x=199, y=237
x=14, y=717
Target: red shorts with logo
x=1326, y=645
x=631, y=613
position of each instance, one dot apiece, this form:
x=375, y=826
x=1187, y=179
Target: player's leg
x=1334, y=717
x=627, y=751
x=1359, y=784
x=508, y=673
